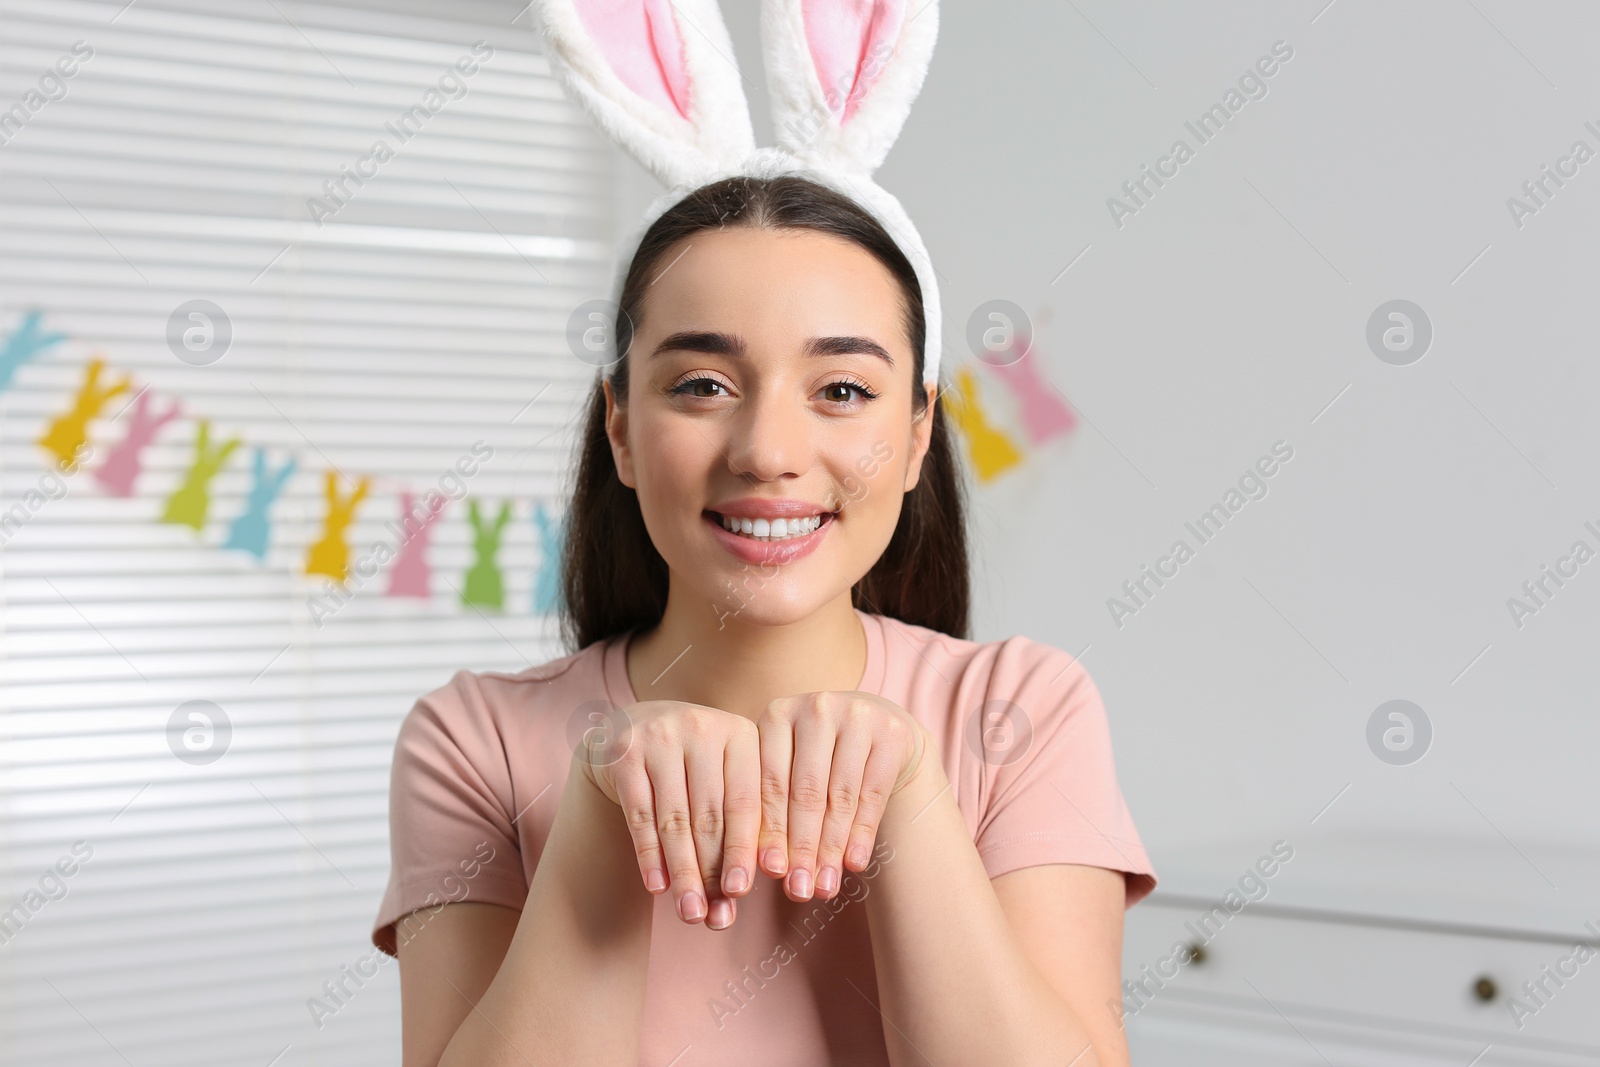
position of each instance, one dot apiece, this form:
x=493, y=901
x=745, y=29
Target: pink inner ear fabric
x=851, y=41
x=641, y=42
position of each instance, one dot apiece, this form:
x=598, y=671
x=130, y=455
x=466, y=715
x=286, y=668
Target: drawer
x=1403, y=979
x=1210, y=1035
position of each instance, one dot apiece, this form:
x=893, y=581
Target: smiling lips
x=769, y=531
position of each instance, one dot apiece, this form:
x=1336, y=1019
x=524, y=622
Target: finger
x=877, y=784
x=808, y=801
x=637, y=801
x=741, y=808
x=723, y=911
x=850, y=753
x=703, y=757
x=777, y=749
x=675, y=826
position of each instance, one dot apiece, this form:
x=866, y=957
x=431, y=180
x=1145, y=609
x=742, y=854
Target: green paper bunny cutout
x=485, y=584
x=188, y=505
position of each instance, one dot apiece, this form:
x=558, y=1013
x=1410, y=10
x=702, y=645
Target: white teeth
x=772, y=530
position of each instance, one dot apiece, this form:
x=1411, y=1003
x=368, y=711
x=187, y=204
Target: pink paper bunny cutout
x=411, y=575
x=121, y=468
x=1044, y=413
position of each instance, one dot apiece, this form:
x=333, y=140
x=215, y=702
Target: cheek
x=868, y=472
x=667, y=458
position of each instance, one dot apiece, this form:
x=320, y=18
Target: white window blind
x=176, y=888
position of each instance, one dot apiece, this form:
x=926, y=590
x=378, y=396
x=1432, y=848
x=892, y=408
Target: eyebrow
x=723, y=344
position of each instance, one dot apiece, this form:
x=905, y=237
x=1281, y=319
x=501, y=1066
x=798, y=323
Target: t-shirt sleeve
x=451, y=836
x=1053, y=795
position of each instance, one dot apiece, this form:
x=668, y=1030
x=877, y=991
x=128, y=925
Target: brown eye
x=831, y=391
x=697, y=388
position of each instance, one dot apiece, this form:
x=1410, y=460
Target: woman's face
x=770, y=384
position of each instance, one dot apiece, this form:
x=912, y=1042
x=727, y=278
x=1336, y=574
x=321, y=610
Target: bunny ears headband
x=659, y=77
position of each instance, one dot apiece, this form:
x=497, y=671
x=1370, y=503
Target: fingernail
x=691, y=907
x=827, y=880
x=654, y=882
x=800, y=883
x=774, y=860
x=721, y=914
x=734, y=880
x=858, y=855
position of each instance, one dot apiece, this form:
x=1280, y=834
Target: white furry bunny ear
x=657, y=76
x=843, y=74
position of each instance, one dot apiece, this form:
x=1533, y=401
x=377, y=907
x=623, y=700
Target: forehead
x=768, y=282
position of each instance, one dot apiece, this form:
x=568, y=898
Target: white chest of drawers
x=1367, y=952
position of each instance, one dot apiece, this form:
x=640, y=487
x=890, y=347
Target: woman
x=814, y=823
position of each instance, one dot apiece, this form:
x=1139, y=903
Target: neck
x=700, y=655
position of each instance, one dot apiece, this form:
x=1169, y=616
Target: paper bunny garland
x=659, y=78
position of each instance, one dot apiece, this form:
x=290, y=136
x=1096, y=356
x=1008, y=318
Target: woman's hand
x=687, y=778
x=829, y=764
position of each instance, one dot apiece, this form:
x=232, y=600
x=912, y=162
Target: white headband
x=659, y=78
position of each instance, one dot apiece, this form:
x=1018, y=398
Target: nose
x=769, y=437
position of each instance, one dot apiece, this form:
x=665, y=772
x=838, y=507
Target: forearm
x=583, y=939
x=954, y=984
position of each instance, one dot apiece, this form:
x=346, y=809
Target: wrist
x=581, y=780
x=922, y=763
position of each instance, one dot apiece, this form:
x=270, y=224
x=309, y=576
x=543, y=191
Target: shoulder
x=1014, y=666
x=1027, y=746
x=475, y=712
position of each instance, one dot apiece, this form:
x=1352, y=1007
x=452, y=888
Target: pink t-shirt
x=480, y=764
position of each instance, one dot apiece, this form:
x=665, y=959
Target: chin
x=756, y=600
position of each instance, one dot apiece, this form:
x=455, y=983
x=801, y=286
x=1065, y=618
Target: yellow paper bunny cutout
x=991, y=451
x=331, y=554
x=70, y=431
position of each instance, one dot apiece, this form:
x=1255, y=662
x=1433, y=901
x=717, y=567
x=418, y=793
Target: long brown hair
x=613, y=579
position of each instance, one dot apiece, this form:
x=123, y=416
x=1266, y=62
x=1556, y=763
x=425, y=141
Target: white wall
x=1224, y=316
